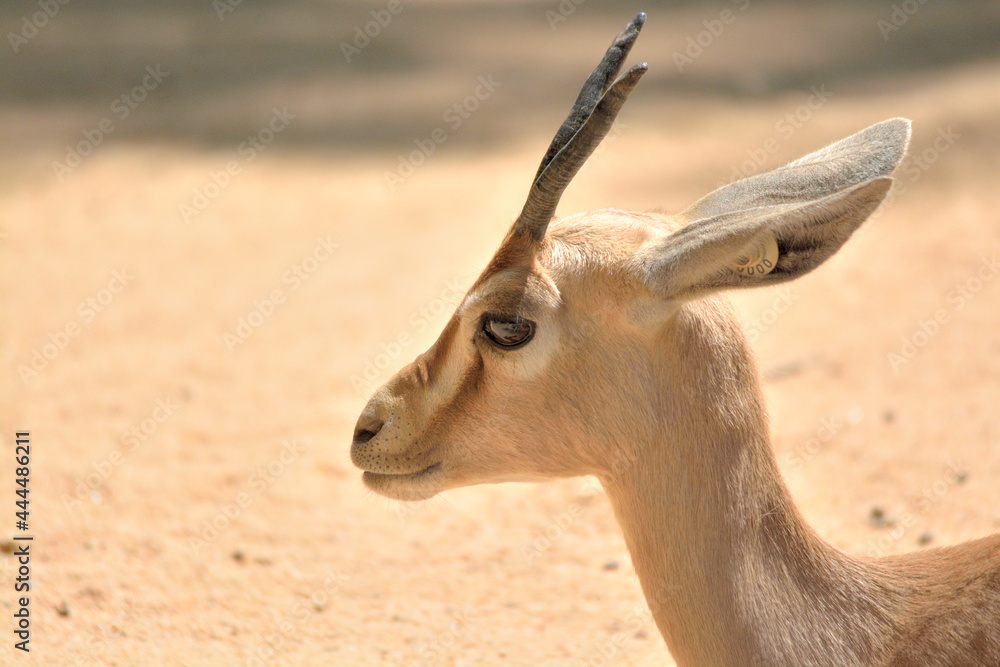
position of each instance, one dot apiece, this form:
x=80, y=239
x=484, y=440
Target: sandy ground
x=191, y=381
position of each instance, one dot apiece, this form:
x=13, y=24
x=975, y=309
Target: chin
x=408, y=487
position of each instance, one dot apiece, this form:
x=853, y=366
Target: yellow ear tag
x=759, y=259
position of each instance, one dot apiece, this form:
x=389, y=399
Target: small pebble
x=239, y=556
x=877, y=517
x=63, y=608
x=611, y=565
x=925, y=538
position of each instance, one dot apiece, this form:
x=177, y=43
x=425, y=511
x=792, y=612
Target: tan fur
x=640, y=375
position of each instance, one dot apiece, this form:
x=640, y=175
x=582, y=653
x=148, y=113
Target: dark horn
x=588, y=123
x=595, y=87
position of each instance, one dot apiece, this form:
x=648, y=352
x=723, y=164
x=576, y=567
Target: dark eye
x=508, y=332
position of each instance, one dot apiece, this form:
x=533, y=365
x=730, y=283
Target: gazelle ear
x=779, y=225
x=871, y=153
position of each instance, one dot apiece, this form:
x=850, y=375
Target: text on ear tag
x=759, y=259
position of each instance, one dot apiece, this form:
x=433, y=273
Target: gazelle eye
x=508, y=332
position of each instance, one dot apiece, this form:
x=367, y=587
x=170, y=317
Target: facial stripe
x=430, y=363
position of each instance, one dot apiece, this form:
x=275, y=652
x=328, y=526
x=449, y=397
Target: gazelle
x=599, y=345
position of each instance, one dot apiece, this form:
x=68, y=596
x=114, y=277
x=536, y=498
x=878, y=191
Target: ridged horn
x=588, y=123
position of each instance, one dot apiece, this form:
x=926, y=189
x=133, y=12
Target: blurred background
x=223, y=224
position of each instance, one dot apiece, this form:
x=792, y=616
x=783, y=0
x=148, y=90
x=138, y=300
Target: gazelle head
x=574, y=342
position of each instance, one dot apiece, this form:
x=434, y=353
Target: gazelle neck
x=731, y=572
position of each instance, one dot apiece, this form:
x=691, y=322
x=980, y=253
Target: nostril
x=368, y=425
x=367, y=428
x=363, y=435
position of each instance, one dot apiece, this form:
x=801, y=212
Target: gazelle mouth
x=406, y=475
x=405, y=486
